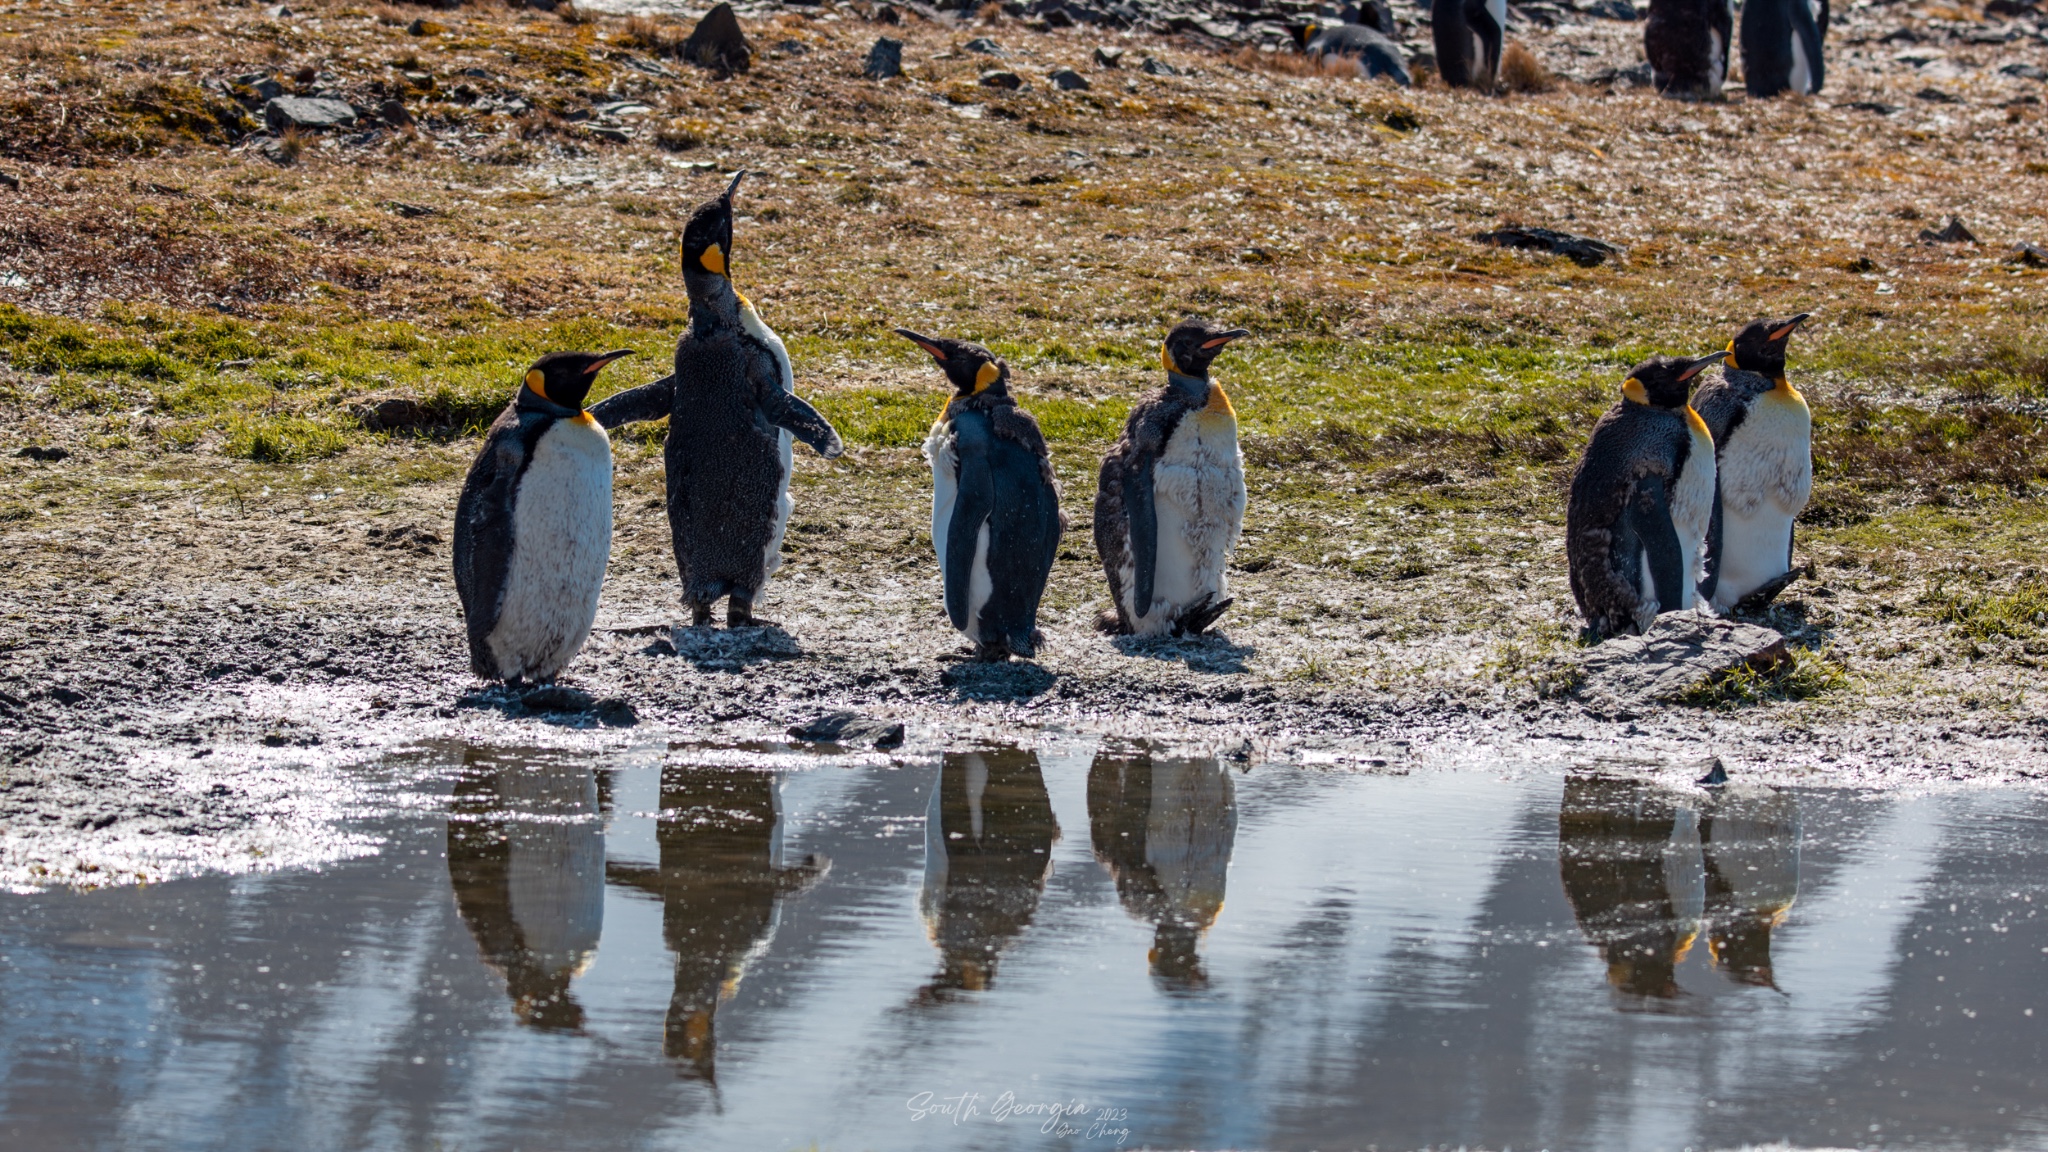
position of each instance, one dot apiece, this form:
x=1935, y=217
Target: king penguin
x=1763, y=448
x=1170, y=504
x=1687, y=43
x=1367, y=48
x=1640, y=501
x=1469, y=35
x=736, y=414
x=533, y=527
x=995, y=505
x=1782, y=46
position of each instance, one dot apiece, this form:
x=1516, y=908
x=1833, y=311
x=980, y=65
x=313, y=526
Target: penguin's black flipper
x=634, y=405
x=973, y=501
x=1024, y=538
x=484, y=537
x=1650, y=516
x=1811, y=35
x=789, y=412
x=1143, y=516
x=1712, y=580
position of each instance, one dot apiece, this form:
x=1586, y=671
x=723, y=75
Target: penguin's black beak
x=1693, y=368
x=1790, y=325
x=735, y=185
x=601, y=361
x=925, y=342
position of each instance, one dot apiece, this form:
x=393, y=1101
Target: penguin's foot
x=1198, y=619
x=700, y=613
x=992, y=653
x=1755, y=603
x=739, y=613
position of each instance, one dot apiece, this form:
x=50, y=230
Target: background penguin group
x=1687, y=43
x=1670, y=506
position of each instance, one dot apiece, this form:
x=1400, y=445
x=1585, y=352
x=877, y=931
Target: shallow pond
x=1081, y=946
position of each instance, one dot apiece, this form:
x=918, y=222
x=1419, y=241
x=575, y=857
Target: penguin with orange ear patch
x=1170, y=504
x=996, y=519
x=1641, y=499
x=1763, y=453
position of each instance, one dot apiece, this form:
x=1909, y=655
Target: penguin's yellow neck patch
x=713, y=259
x=1698, y=426
x=584, y=418
x=1632, y=390
x=1730, y=361
x=538, y=384
x=1786, y=390
x=1219, y=402
x=985, y=376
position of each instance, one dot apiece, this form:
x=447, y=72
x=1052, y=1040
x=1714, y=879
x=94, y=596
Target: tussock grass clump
x=1520, y=71
x=2018, y=614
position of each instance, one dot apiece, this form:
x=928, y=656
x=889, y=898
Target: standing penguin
x=1468, y=36
x=533, y=527
x=1640, y=501
x=995, y=505
x=735, y=412
x=1763, y=449
x=1781, y=46
x=1687, y=42
x=1171, y=500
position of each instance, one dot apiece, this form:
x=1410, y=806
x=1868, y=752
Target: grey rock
x=1109, y=57
x=2031, y=255
x=43, y=455
x=611, y=132
x=717, y=42
x=1951, y=233
x=313, y=112
x=1068, y=80
x=394, y=114
x=2025, y=72
x=557, y=698
x=1610, y=10
x=885, y=59
x=1681, y=651
x=984, y=46
x=887, y=14
x=848, y=728
x=1001, y=78
x=1581, y=250
x=1153, y=67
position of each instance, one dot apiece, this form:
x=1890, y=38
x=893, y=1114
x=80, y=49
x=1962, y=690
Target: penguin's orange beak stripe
x=605, y=359
x=537, y=382
x=1791, y=324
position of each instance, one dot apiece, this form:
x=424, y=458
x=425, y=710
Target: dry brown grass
x=1520, y=71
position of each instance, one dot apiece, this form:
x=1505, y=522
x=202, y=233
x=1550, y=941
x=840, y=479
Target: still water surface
x=1078, y=947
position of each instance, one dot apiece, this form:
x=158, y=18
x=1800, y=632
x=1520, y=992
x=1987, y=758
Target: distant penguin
x=735, y=412
x=1782, y=46
x=1763, y=449
x=1170, y=504
x=1687, y=42
x=533, y=527
x=1374, y=54
x=995, y=505
x=1469, y=35
x=1640, y=501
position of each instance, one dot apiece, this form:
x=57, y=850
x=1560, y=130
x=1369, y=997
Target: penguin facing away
x=1782, y=46
x=1641, y=499
x=736, y=414
x=996, y=519
x=1763, y=448
x=1170, y=503
x=533, y=526
x=1687, y=43
x=1469, y=35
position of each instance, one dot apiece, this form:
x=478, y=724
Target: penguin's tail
x=1109, y=623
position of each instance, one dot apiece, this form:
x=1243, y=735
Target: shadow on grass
x=1212, y=652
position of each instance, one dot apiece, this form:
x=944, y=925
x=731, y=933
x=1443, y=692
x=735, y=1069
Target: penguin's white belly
x=1766, y=479
x=561, y=540
x=980, y=585
x=1802, y=76
x=1717, y=61
x=941, y=449
x=1692, y=511
x=1198, y=497
x=771, y=553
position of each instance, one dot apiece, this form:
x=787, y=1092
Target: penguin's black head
x=1760, y=346
x=564, y=378
x=707, y=242
x=1666, y=381
x=970, y=368
x=1193, y=344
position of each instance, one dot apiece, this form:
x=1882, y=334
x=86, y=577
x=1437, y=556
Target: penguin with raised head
x=1782, y=43
x=1687, y=43
x=736, y=414
x=1469, y=36
x=1366, y=47
x=995, y=506
x=1641, y=498
x=533, y=526
x=1763, y=449
x=1170, y=503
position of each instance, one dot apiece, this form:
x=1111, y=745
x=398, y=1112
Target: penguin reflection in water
x=1170, y=504
x=1647, y=869
x=526, y=861
x=1164, y=827
x=721, y=880
x=735, y=415
x=533, y=526
x=1641, y=500
x=996, y=518
x=987, y=852
x=1763, y=450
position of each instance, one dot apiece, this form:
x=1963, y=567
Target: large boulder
x=308, y=112
x=1680, y=652
x=717, y=42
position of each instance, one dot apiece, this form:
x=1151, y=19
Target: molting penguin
x=1468, y=36
x=1170, y=504
x=1640, y=501
x=735, y=413
x=1763, y=449
x=995, y=505
x=1782, y=46
x=1687, y=43
x=1368, y=48
x=533, y=527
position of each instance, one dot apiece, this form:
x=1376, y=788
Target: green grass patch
x=2017, y=614
x=1809, y=674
